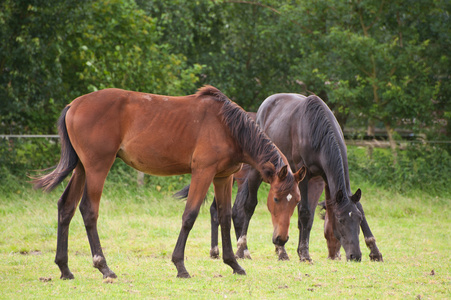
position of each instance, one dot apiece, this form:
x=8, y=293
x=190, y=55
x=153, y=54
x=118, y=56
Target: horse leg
x=304, y=221
x=214, y=251
x=67, y=206
x=89, y=208
x=333, y=244
x=223, y=194
x=239, y=219
x=247, y=199
x=370, y=240
x=198, y=189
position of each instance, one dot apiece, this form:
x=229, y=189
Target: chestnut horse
x=306, y=131
x=204, y=134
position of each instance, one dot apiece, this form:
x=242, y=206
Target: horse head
x=283, y=198
x=345, y=221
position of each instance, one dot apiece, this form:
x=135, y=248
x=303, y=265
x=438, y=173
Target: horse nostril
x=355, y=257
x=279, y=242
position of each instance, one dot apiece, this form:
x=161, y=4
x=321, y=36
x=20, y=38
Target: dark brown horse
x=204, y=134
x=307, y=132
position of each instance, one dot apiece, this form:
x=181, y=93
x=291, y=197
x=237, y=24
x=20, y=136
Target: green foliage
x=55, y=52
x=419, y=168
x=20, y=157
x=117, y=45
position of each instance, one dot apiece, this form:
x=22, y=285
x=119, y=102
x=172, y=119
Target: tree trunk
x=392, y=142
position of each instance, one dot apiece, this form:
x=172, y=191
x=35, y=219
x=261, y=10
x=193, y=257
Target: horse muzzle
x=279, y=241
x=354, y=257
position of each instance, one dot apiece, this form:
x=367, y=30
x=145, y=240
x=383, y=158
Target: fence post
x=140, y=178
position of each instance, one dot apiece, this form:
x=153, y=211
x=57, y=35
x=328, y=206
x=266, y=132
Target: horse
x=306, y=131
x=205, y=134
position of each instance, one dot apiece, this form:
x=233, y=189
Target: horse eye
x=276, y=200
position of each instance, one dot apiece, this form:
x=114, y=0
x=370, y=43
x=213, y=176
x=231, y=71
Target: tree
x=369, y=59
x=58, y=51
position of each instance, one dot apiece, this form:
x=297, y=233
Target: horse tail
x=241, y=195
x=68, y=160
x=183, y=193
x=323, y=208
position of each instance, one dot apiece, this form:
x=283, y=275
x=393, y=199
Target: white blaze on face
x=289, y=197
x=350, y=213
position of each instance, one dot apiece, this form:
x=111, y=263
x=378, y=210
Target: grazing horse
x=306, y=131
x=204, y=134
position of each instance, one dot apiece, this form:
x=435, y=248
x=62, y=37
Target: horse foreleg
x=370, y=240
x=246, y=201
x=223, y=194
x=214, y=251
x=304, y=222
x=198, y=189
x=67, y=206
x=89, y=208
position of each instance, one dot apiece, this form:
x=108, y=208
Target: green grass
x=138, y=229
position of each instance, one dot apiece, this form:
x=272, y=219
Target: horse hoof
x=239, y=272
x=284, y=257
x=305, y=259
x=376, y=257
x=68, y=276
x=214, y=253
x=110, y=274
x=239, y=254
x=247, y=254
x=183, y=275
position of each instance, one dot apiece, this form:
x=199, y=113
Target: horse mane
x=245, y=131
x=323, y=136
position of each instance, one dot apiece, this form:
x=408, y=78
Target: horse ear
x=356, y=197
x=340, y=197
x=282, y=174
x=268, y=171
x=300, y=174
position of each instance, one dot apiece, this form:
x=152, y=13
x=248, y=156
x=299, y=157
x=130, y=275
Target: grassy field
x=138, y=229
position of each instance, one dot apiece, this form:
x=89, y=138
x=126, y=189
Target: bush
x=20, y=157
x=420, y=167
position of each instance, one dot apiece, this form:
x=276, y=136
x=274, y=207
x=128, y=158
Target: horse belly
x=156, y=157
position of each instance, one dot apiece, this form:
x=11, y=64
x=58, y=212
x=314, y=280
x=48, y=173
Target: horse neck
x=337, y=174
x=258, y=160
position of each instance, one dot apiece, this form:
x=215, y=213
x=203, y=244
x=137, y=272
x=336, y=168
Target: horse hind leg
x=223, y=193
x=214, y=251
x=89, y=208
x=200, y=182
x=243, y=210
x=67, y=206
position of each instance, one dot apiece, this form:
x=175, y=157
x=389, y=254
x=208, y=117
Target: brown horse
x=204, y=134
x=307, y=132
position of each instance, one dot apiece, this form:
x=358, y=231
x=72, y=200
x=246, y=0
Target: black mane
x=246, y=132
x=324, y=136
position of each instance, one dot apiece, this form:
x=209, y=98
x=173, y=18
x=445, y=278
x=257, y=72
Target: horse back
x=298, y=125
x=160, y=135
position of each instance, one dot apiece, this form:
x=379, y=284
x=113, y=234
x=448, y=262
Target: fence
x=370, y=144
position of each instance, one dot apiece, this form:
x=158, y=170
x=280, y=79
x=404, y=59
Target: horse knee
x=89, y=215
x=65, y=212
x=304, y=217
x=188, y=219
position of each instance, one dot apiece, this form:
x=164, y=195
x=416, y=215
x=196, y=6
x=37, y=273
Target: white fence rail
x=357, y=142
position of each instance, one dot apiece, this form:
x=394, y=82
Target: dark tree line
x=376, y=63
